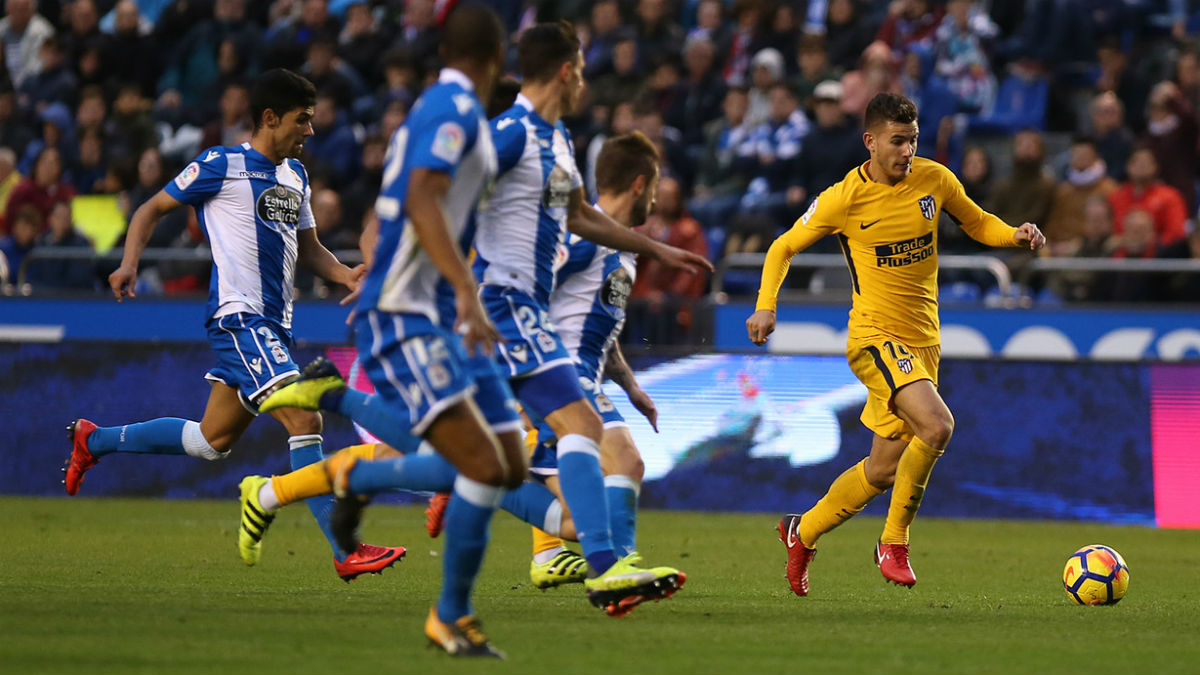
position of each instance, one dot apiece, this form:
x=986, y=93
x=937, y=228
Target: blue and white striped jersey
x=587, y=307
x=523, y=225
x=250, y=209
x=446, y=131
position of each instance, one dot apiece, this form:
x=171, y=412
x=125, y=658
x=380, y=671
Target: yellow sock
x=310, y=481
x=912, y=475
x=544, y=542
x=848, y=494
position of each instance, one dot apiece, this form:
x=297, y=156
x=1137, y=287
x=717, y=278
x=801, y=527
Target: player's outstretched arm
x=426, y=209
x=587, y=222
x=617, y=369
x=141, y=228
x=312, y=254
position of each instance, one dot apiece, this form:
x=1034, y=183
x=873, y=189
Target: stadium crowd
x=1078, y=115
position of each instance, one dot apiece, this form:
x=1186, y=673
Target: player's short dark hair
x=280, y=90
x=887, y=107
x=622, y=159
x=504, y=94
x=473, y=32
x=544, y=48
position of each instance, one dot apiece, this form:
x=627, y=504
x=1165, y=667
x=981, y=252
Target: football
x=1096, y=575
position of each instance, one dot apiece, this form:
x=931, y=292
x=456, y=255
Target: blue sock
x=162, y=436
x=426, y=473
x=583, y=487
x=306, y=450
x=370, y=413
x=530, y=502
x=466, y=532
x=622, y=494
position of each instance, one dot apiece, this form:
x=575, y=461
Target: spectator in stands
x=710, y=24
x=1087, y=177
x=92, y=109
x=418, y=34
x=359, y=197
x=288, y=38
x=657, y=32
x=42, y=188
x=130, y=128
x=876, y=74
x=64, y=274
x=976, y=177
x=1027, y=195
x=1172, y=132
x=83, y=33
x=1114, y=140
x=813, y=67
x=664, y=88
x=332, y=228
x=782, y=35
x=668, y=140
x=620, y=121
x=92, y=169
x=362, y=41
x=1146, y=192
x=1136, y=240
x=14, y=134
x=139, y=59
x=605, y=33
x=719, y=187
x=329, y=75
x=1183, y=287
x=847, y=33
x=766, y=70
x=1187, y=76
x=332, y=149
x=400, y=80
x=909, y=22
x=834, y=145
x=53, y=83
x=701, y=93
x=775, y=168
x=626, y=80
x=191, y=78
x=150, y=178
x=58, y=131
x=25, y=224
x=9, y=177
x=660, y=305
x=960, y=58
x=976, y=174
x=234, y=125
x=1097, y=241
x=22, y=32
x=1128, y=84
x=744, y=41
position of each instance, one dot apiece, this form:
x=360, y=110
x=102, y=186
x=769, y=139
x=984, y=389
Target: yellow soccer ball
x=1096, y=575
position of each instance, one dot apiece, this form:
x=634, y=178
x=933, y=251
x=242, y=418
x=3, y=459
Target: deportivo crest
x=928, y=206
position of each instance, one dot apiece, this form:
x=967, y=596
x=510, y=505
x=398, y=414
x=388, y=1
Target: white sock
x=196, y=445
x=552, y=521
x=267, y=497
x=543, y=557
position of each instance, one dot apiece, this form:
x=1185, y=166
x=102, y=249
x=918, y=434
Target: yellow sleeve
x=980, y=225
x=824, y=216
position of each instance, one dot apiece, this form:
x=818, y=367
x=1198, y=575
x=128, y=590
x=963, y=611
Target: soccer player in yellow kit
x=885, y=215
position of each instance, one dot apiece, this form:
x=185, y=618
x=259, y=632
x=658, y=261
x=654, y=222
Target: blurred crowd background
x=1078, y=115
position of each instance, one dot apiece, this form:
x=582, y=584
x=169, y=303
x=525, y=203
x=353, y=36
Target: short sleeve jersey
x=250, y=210
x=446, y=132
x=523, y=224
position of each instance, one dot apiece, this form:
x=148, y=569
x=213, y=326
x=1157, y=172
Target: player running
x=423, y=337
x=885, y=215
x=538, y=198
x=252, y=202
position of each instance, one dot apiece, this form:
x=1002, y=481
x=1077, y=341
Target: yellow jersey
x=889, y=237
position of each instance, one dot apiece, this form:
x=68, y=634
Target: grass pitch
x=133, y=586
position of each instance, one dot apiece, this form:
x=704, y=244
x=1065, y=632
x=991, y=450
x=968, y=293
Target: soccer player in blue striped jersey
x=252, y=201
x=423, y=337
x=587, y=309
x=521, y=240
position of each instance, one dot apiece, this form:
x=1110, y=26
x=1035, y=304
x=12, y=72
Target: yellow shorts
x=885, y=365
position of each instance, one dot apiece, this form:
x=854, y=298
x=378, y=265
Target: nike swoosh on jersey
x=866, y=225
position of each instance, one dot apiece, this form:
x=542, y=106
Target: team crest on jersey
x=279, y=354
x=905, y=365
x=278, y=207
x=561, y=254
x=546, y=342
x=557, y=193
x=928, y=206
x=188, y=176
x=616, y=288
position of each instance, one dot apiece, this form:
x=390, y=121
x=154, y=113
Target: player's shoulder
x=932, y=172
x=511, y=121
x=218, y=155
x=298, y=168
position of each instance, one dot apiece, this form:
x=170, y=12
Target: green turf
x=98, y=586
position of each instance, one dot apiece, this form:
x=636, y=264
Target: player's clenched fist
x=1029, y=235
x=760, y=325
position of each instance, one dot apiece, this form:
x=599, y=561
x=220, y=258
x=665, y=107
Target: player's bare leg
x=923, y=409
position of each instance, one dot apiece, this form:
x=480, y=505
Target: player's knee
x=304, y=423
x=937, y=431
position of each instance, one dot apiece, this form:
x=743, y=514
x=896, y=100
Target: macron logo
x=212, y=154
x=505, y=123
x=256, y=364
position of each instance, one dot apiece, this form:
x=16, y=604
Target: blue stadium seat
x=1020, y=104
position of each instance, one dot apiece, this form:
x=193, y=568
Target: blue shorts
x=494, y=397
x=545, y=457
x=529, y=344
x=418, y=368
x=252, y=355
